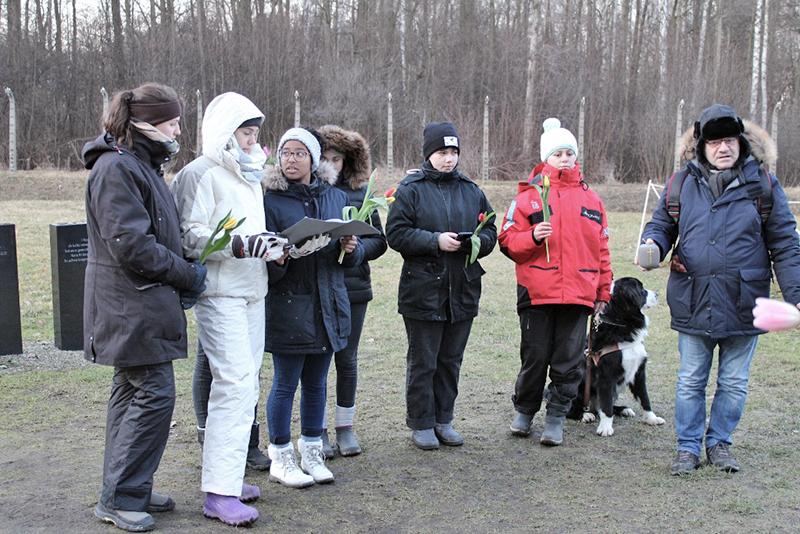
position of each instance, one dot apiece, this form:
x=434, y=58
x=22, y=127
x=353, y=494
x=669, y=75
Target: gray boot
x=448, y=435
x=327, y=449
x=553, y=433
x=521, y=425
x=425, y=439
x=347, y=442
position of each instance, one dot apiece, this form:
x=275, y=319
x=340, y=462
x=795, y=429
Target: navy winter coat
x=308, y=311
x=727, y=252
x=436, y=285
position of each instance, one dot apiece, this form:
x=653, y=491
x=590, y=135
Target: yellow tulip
x=230, y=224
x=389, y=200
x=546, y=181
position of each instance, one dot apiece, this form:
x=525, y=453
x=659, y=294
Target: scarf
x=251, y=165
x=171, y=146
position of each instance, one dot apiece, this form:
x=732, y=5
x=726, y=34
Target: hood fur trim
x=762, y=146
x=357, y=162
x=274, y=180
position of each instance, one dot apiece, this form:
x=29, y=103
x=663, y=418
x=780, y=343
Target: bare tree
x=755, y=73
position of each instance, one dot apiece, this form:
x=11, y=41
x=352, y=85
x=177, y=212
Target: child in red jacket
x=563, y=272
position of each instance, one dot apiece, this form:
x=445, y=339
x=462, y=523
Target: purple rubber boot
x=229, y=510
x=250, y=492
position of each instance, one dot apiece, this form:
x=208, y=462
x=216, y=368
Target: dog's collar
x=599, y=319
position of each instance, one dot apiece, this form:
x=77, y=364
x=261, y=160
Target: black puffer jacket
x=308, y=311
x=353, y=180
x=358, y=279
x=132, y=314
x=436, y=285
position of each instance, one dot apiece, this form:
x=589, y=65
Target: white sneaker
x=284, y=467
x=313, y=460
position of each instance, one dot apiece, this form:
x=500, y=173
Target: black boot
x=255, y=458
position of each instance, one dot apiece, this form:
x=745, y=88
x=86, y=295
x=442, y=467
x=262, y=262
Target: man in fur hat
x=732, y=224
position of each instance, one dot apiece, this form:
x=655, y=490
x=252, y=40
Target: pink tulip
x=775, y=315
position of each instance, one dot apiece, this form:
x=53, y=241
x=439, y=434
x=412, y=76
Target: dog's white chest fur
x=634, y=353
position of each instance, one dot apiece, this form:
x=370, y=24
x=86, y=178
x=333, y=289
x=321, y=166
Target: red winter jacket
x=579, y=270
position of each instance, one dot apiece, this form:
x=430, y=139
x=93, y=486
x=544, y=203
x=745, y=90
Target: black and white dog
x=617, y=357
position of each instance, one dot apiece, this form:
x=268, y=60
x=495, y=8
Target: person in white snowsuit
x=230, y=313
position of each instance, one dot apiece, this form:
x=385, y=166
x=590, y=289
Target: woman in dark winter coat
x=439, y=288
x=348, y=152
x=136, y=282
x=308, y=314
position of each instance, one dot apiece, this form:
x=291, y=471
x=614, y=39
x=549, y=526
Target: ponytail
x=117, y=121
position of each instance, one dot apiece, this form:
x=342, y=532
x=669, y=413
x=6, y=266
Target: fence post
x=678, y=131
x=199, y=97
x=389, y=138
x=296, y=109
x=581, y=116
x=104, y=97
x=485, y=158
x=12, y=130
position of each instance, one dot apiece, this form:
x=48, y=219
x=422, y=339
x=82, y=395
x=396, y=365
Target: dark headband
x=155, y=112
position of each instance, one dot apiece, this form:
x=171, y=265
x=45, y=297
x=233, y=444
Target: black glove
x=189, y=296
x=266, y=245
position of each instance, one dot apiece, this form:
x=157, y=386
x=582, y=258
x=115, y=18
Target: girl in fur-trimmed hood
x=347, y=153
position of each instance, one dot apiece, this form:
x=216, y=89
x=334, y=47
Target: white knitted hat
x=305, y=137
x=556, y=138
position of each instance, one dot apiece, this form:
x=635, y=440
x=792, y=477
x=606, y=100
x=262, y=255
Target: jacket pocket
x=753, y=283
x=420, y=288
x=588, y=280
x=471, y=293
x=342, y=313
x=290, y=319
x=680, y=289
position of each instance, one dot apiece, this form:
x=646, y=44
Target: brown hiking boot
x=720, y=457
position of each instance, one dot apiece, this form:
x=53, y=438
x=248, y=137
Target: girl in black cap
x=436, y=210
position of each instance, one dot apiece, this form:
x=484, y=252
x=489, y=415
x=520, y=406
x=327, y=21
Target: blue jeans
x=697, y=353
x=311, y=370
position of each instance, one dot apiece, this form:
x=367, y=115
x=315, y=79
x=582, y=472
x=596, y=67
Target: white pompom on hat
x=556, y=138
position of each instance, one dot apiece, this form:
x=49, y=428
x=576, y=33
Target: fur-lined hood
x=357, y=162
x=274, y=180
x=762, y=146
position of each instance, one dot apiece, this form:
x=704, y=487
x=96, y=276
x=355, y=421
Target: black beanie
x=439, y=135
x=255, y=121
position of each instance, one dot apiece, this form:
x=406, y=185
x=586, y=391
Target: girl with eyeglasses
x=308, y=312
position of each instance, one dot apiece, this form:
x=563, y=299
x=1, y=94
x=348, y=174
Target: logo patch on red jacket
x=593, y=215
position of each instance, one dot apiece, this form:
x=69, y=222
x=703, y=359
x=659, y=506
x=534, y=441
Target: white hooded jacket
x=213, y=185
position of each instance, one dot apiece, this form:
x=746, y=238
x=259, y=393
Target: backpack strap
x=674, y=186
x=764, y=202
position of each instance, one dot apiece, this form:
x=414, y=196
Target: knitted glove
x=266, y=245
x=311, y=245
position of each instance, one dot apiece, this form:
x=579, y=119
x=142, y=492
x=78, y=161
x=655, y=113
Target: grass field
x=51, y=431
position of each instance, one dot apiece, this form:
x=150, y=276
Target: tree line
x=632, y=60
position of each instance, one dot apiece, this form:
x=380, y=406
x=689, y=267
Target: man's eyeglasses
x=730, y=141
x=299, y=155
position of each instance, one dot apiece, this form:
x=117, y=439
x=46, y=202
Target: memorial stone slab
x=10, y=324
x=69, y=247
